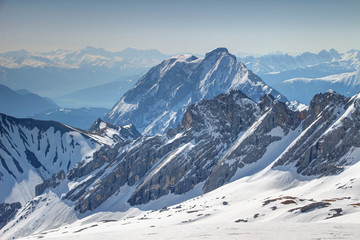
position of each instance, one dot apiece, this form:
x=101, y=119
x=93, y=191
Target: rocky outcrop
x=207, y=129
x=190, y=154
x=330, y=131
x=254, y=143
x=111, y=134
x=52, y=182
x=7, y=212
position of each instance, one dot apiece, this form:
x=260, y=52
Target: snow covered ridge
x=158, y=101
x=32, y=151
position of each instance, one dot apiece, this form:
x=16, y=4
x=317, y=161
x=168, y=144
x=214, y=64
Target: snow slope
x=268, y=205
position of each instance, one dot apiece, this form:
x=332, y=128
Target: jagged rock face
x=275, y=124
x=205, y=132
x=330, y=132
x=7, y=212
x=114, y=167
x=160, y=98
x=188, y=155
x=52, y=182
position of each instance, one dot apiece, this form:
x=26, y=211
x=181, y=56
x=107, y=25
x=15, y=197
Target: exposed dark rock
x=311, y=207
x=336, y=213
x=185, y=156
x=241, y=220
x=52, y=182
x=125, y=132
x=7, y=212
x=323, y=143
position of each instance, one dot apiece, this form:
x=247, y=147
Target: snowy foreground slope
x=159, y=99
x=231, y=161
x=271, y=204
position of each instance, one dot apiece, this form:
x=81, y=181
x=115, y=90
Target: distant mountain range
x=300, y=77
x=72, y=77
x=61, y=72
x=103, y=96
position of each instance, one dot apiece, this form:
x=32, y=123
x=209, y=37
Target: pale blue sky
x=253, y=26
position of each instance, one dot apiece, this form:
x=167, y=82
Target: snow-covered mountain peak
x=158, y=100
x=95, y=51
x=185, y=58
x=88, y=57
x=217, y=52
x=330, y=91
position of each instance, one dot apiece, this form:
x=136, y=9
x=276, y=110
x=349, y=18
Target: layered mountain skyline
x=316, y=72
x=98, y=68
x=189, y=127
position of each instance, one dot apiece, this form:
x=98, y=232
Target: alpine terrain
x=230, y=165
x=222, y=154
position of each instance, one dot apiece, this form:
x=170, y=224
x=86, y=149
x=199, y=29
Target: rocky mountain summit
x=159, y=99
